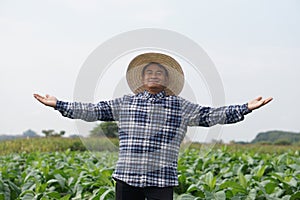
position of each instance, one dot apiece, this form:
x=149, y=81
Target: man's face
x=155, y=78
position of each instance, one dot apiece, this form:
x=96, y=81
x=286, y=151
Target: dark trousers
x=128, y=192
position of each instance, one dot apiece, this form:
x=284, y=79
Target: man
x=152, y=124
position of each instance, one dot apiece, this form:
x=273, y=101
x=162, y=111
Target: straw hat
x=135, y=68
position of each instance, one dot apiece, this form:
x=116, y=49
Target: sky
x=254, y=45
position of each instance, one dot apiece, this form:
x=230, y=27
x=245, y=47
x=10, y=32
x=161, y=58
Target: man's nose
x=153, y=75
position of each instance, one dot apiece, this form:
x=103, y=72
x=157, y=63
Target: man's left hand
x=258, y=102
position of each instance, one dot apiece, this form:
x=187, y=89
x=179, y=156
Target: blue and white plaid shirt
x=151, y=128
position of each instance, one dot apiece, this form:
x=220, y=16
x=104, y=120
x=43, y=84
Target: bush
x=77, y=146
x=282, y=142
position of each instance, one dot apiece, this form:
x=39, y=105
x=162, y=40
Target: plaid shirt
x=151, y=128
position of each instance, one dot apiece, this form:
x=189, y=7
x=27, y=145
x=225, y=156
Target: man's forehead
x=157, y=69
x=155, y=66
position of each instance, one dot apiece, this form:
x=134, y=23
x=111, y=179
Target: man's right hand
x=47, y=100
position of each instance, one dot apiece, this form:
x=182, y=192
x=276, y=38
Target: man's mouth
x=153, y=80
x=156, y=82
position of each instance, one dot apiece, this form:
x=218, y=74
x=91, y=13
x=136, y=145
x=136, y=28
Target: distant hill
x=8, y=137
x=277, y=137
x=27, y=134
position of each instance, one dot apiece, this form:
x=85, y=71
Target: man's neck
x=154, y=91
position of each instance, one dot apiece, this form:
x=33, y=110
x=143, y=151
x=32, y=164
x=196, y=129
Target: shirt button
x=143, y=180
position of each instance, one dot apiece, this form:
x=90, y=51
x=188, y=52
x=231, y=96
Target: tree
x=60, y=134
x=48, y=132
x=30, y=133
x=51, y=133
x=283, y=142
x=276, y=135
x=108, y=129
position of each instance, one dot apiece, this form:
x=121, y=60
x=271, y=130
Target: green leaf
x=27, y=195
x=195, y=190
x=260, y=172
x=291, y=181
x=210, y=180
x=278, y=192
x=220, y=195
x=228, y=175
x=14, y=190
x=192, y=188
x=229, y=194
x=61, y=180
x=296, y=167
x=54, y=195
x=278, y=175
x=243, y=180
x=29, y=185
x=287, y=197
x=52, y=181
x=182, y=179
x=67, y=197
x=108, y=193
x=234, y=185
x=186, y=197
x=295, y=196
x=270, y=187
x=251, y=195
x=4, y=189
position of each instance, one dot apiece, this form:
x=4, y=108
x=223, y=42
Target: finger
x=268, y=100
x=40, y=98
x=37, y=96
x=259, y=98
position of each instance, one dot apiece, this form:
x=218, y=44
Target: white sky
x=255, y=46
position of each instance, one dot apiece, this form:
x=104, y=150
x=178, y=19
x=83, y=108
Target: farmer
x=152, y=123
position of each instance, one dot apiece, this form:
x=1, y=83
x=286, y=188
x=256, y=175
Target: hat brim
x=175, y=73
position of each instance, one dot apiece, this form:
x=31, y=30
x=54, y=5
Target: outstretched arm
x=104, y=110
x=258, y=102
x=197, y=115
x=46, y=100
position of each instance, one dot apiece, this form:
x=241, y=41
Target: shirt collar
x=148, y=95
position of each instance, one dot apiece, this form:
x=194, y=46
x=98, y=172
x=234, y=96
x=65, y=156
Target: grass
x=54, y=144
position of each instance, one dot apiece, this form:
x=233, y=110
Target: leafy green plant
x=220, y=174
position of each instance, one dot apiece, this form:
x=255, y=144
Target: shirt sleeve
x=196, y=115
x=103, y=111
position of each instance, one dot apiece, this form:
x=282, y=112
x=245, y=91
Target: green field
x=44, y=169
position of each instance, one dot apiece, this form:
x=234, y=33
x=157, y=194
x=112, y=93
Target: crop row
x=219, y=174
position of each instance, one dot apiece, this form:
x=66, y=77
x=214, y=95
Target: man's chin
x=155, y=87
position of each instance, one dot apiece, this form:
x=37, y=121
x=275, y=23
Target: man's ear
x=143, y=80
x=167, y=81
